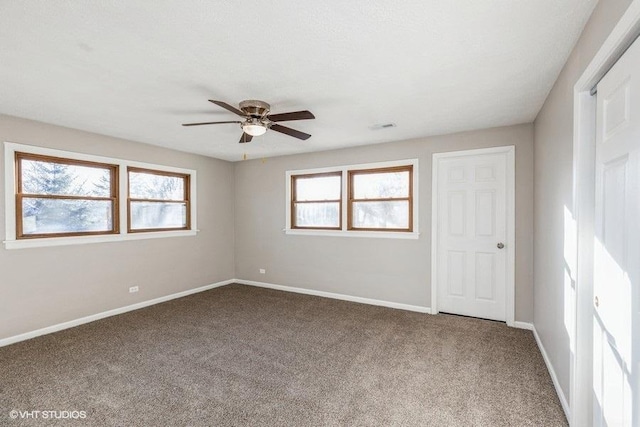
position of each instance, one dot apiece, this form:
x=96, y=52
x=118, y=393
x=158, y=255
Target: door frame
x=584, y=175
x=510, y=246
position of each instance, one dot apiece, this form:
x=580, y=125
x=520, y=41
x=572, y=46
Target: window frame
x=351, y=198
x=344, y=231
x=11, y=175
x=186, y=199
x=294, y=178
x=20, y=195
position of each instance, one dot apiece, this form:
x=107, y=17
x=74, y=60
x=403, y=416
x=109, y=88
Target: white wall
x=553, y=143
x=40, y=287
x=385, y=269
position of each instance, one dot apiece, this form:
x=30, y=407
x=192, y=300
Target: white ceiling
x=137, y=69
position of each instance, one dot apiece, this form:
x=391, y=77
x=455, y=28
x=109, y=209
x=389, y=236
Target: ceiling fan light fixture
x=257, y=120
x=254, y=129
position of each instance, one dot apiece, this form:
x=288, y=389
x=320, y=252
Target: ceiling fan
x=257, y=120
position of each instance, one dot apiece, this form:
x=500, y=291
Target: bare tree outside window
x=381, y=199
x=377, y=199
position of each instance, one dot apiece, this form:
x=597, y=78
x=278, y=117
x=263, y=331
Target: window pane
x=151, y=186
x=381, y=185
x=381, y=214
x=149, y=215
x=317, y=214
x=41, y=177
x=46, y=216
x=318, y=188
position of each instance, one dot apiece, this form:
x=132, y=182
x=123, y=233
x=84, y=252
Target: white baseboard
x=554, y=377
x=523, y=325
x=343, y=297
x=109, y=313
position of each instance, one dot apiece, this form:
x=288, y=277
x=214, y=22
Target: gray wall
x=41, y=287
x=386, y=269
x=553, y=189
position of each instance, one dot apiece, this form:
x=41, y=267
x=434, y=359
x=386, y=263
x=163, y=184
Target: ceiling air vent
x=383, y=126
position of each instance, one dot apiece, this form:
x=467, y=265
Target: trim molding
x=584, y=130
x=563, y=399
x=343, y=297
x=87, y=319
x=370, y=301
x=523, y=325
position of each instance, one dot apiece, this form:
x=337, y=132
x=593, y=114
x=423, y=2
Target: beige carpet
x=238, y=355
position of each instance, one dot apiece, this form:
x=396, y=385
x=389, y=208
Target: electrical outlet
x=263, y=271
x=133, y=289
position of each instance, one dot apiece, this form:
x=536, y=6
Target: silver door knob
x=500, y=245
x=596, y=301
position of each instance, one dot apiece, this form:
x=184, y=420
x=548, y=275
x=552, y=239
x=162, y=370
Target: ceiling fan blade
x=295, y=115
x=245, y=138
x=228, y=107
x=291, y=132
x=206, y=123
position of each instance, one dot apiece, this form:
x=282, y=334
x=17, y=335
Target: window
x=64, y=197
x=157, y=200
x=55, y=197
x=379, y=200
x=316, y=201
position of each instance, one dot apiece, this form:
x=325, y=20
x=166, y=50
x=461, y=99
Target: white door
x=471, y=228
x=617, y=246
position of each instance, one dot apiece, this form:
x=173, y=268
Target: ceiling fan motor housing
x=255, y=108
